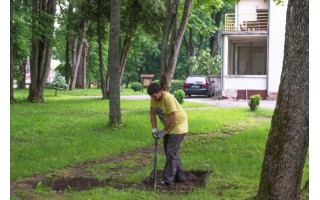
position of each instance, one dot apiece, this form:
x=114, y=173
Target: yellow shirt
x=166, y=105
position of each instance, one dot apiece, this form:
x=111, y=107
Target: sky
x=314, y=96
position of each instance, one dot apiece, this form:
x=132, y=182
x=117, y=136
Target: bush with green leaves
x=58, y=82
x=254, y=102
x=136, y=86
x=179, y=95
x=176, y=85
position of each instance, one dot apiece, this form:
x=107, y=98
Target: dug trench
x=109, y=172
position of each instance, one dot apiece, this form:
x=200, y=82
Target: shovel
x=156, y=139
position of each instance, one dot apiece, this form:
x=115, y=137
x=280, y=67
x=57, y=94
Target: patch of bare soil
x=84, y=175
x=195, y=179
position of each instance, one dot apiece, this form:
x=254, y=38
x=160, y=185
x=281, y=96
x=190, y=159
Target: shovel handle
x=155, y=160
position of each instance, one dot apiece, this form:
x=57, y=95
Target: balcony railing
x=246, y=22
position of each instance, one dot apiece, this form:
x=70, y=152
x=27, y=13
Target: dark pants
x=173, y=167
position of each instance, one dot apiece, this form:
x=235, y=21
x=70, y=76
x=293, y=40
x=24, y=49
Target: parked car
x=198, y=85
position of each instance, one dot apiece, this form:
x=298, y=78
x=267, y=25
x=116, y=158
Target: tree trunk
x=11, y=53
x=81, y=81
x=214, y=39
x=22, y=70
x=104, y=89
x=41, y=52
x=165, y=39
x=191, y=43
x=113, y=63
x=187, y=46
x=168, y=68
x=200, y=44
x=288, y=138
x=68, y=69
x=124, y=54
x=77, y=54
x=67, y=66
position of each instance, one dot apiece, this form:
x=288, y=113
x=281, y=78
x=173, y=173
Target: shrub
x=58, y=82
x=254, y=102
x=175, y=85
x=136, y=86
x=179, y=95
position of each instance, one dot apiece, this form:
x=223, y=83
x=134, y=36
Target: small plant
x=136, y=86
x=58, y=82
x=254, y=102
x=176, y=85
x=179, y=95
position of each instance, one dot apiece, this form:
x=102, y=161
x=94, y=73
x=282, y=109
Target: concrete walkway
x=232, y=103
x=215, y=101
x=202, y=99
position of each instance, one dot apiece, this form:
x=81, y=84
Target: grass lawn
x=48, y=138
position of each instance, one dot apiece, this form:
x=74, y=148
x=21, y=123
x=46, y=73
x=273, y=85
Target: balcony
x=246, y=22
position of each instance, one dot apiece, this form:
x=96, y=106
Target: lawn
x=48, y=139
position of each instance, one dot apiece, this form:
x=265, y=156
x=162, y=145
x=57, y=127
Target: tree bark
x=22, y=70
x=41, y=52
x=191, y=43
x=77, y=54
x=113, y=64
x=214, y=39
x=11, y=53
x=68, y=38
x=104, y=89
x=67, y=57
x=124, y=54
x=187, y=46
x=168, y=68
x=288, y=138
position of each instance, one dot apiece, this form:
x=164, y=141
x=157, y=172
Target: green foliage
x=93, y=73
x=58, y=82
x=175, y=85
x=279, y=2
x=136, y=86
x=216, y=70
x=204, y=64
x=179, y=95
x=61, y=69
x=21, y=34
x=254, y=102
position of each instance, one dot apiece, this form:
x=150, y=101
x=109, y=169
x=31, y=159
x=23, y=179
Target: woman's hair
x=153, y=88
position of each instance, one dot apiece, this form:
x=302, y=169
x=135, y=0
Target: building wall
x=247, y=10
x=277, y=23
x=250, y=6
x=239, y=82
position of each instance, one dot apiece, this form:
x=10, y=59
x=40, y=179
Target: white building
x=252, y=48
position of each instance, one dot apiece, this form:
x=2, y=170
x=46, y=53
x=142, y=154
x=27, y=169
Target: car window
x=196, y=80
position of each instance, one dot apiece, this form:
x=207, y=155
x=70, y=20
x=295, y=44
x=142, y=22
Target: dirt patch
x=194, y=179
x=109, y=172
x=79, y=183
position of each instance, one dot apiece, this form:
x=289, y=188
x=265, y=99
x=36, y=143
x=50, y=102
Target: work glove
x=155, y=131
x=161, y=133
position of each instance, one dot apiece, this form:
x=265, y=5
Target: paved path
x=232, y=103
x=201, y=99
x=220, y=103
